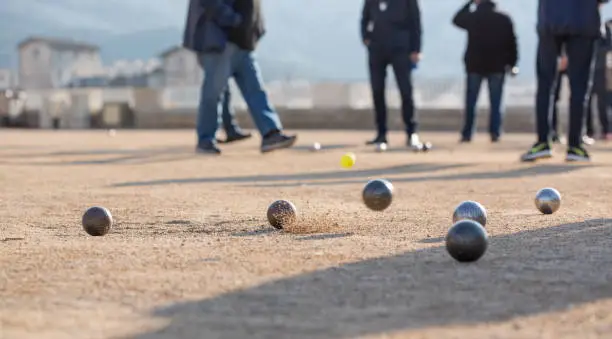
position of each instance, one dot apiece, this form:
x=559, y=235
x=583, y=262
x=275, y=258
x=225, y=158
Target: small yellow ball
x=347, y=160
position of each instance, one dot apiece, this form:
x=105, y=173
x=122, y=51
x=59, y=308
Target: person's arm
x=365, y=21
x=513, y=55
x=416, y=29
x=221, y=13
x=462, y=18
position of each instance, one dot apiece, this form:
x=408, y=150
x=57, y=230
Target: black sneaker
x=577, y=154
x=236, y=136
x=465, y=140
x=277, y=140
x=494, y=138
x=378, y=140
x=208, y=147
x=539, y=150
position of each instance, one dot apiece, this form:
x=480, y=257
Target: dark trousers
x=379, y=60
x=604, y=103
x=579, y=52
x=495, y=83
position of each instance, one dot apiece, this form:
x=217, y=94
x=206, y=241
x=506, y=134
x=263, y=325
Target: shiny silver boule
x=470, y=210
x=381, y=147
x=378, y=194
x=548, y=200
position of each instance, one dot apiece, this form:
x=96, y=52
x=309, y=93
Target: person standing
x=573, y=25
x=391, y=31
x=491, y=52
x=555, y=136
x=225, y=33
x=600, y=90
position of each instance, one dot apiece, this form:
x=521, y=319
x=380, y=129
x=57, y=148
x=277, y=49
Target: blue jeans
x=228, y=115
x=218, y=68
x=496, y=93
x=579, y=52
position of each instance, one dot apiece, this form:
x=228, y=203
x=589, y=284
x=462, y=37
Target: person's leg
x=249, y=80
x=555, y=136
x=377, y=61
x=402, y=68
x=599, y=88
x=217, y=67
x=588, y=111
x=472, y=89
x=233, y=132
x=549, y=48
x=580, y=55
x=496, y=95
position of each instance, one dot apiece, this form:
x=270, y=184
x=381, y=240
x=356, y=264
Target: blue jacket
x=569, y=17
x=207, y=24
x=392, y=24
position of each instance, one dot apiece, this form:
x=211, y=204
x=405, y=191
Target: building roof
x=170, y=50
x=60, y=43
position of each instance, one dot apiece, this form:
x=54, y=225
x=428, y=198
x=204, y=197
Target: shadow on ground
x=110, y=156
x=401, y=169
x=488, y=175
x=522, y=274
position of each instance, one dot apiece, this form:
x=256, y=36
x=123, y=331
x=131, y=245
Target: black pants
x=603, y=104
x=379, y=60
x=579, y=51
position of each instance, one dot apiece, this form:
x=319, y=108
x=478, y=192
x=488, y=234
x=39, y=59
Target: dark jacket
x=604, y=46
x=396, y=27
x=491, y=46
x=248, y=33
x=207, y=24
x=569, y=17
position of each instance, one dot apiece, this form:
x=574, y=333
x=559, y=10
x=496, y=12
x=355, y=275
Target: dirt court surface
x=191, y=254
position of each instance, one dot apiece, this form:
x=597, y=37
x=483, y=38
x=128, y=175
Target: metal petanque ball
x=315, y=147
x=378, y=194
x=381, y=147
x=548, y=200
x=466, y=241
x=470, y=210
x=281, y=213
x=97, y=221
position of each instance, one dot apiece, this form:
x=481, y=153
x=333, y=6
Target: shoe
x=587, y=140
x=276, y=140
x=465, y=140
x=236, y=136
x=540, y=150
x=378, y=140
x=413, y=140
x=577, y=154
x=208, y=147
x=495, y=138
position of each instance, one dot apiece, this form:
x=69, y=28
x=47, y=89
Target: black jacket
x=569, y=17
x=251, y=29
x=492, y=46
x=604, y=46
x=392, y=24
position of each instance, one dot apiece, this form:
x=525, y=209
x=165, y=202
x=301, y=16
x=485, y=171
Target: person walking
x=573, y=25
x=491, y=53
x=600, y=90
x=391, y=31
x=225, y=34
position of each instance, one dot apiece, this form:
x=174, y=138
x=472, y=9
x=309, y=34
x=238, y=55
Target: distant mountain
x=313, y=39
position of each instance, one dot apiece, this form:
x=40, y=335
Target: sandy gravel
x=191, y=254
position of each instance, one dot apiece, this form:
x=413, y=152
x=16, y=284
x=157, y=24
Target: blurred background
x=311, y=56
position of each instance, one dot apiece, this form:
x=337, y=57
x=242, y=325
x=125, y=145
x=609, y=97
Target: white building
x=7, y=79
x=52, y=63
x=181, y=68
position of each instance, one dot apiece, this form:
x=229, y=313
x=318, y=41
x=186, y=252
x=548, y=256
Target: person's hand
x=415, y=57
x=562, y=66
x=366, y=42
x=514, y=71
